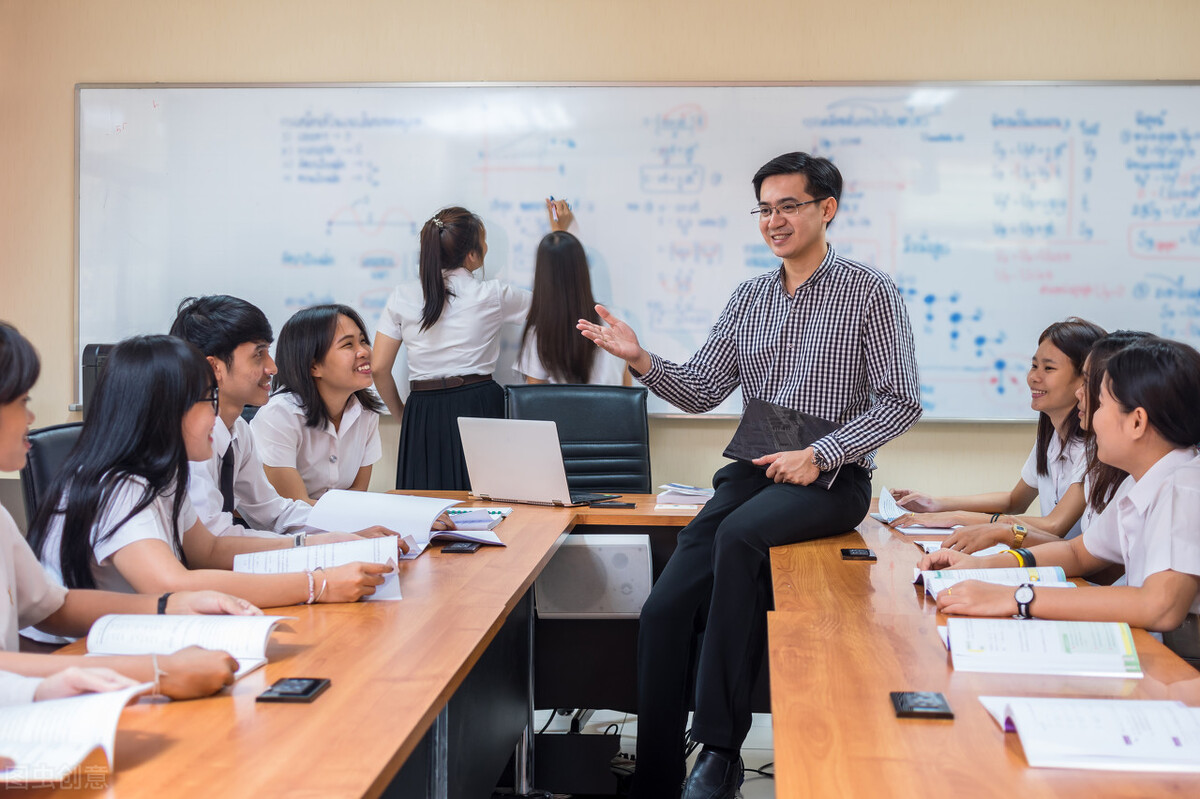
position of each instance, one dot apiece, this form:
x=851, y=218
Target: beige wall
x=47, y=46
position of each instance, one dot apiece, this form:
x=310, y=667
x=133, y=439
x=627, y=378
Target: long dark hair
x=303, y=343
x=1103, y=479
x=19, y=364
x=446, y=240
x=134, y=429
x=1163, y=378
x=1073, y=337
x=562, y=295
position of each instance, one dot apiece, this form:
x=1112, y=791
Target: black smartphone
x=294, y=689
x=613, y=505
x=460, y=547
x=921, y=705
x=858, y=554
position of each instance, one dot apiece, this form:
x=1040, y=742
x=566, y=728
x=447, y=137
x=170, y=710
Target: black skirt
x=431, y=455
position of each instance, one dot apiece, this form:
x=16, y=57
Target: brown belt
x=447, y=382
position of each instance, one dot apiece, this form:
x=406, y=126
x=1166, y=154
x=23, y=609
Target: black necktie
x=227, y=479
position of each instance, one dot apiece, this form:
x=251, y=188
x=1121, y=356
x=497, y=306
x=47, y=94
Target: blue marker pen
x=553, y=210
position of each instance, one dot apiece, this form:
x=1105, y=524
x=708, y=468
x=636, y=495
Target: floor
x=757, y=752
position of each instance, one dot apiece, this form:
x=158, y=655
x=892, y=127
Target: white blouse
x=1153, y=524
x=607, y=369
x=31, y=594
x=1064, y=467
x=465, y=340
x=325, y=457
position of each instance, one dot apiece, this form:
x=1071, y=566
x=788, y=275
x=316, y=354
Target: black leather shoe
x=714, y=777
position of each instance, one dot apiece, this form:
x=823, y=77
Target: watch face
x=1024, y=594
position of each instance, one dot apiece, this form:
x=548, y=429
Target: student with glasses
x=823, y=335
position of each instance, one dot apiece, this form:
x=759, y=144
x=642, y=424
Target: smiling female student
x=1054, y=471
x=1147, y=424
x=118, y=517
x=451, y=324
x=34, y=600
x=320, y=429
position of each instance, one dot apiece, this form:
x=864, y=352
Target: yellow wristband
x=1017, y=555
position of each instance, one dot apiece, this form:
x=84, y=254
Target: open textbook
x=933, y=546
x=1109, y=734
x=383, y=549
x=411, y=517
x=937, y=581
x=243, y=637
x=1041, y=646
x=890, y=511
x=49, y=740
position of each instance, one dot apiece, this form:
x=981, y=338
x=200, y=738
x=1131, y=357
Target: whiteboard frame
x=80, y=87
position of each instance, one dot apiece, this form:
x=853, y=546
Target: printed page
x=356, y=510
x=1014, y=576
x=384, y=549
x=1040, y=646
x=1110, y=734
x=48, y=740
x=243, y=637
x=934, y=546
x=889, y=510
x=475, y=520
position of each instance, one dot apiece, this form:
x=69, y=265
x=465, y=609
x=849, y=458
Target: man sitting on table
x=823, y=335
x=236, y=337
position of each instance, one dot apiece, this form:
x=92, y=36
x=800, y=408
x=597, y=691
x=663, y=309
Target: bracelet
x=324, y=582
x=311, y=598
x=158, y=675
x=995, y=518
x=1030, y=560
x=162, y=603
x=1016, y=553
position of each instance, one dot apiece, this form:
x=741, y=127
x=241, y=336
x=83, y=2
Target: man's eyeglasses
x=787, y=209
x=214, y=398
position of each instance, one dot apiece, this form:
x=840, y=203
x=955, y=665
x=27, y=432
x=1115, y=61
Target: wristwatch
x=1024, y=597
x=1019, y=532
x=298, y=539
x=820, y=462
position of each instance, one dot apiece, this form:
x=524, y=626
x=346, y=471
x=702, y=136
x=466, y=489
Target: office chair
x=602, y=430
x=49, y=447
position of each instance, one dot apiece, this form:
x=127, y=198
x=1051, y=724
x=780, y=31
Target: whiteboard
x=998, y=209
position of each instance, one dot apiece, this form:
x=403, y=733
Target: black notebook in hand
x=767, y=428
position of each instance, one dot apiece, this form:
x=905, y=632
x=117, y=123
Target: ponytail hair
x=446, y=240
x=1074, y=338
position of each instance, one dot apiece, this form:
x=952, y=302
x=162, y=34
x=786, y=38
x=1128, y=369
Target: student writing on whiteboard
x=320, y=429
x=551, y=350
x=35, y=600
x=235, y=338
x=118, y=517
x=1054, y=471
x=823, y=335
x=1146, y=424
x=450, y=323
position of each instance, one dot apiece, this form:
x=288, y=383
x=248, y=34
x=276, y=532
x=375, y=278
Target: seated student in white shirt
x=118, y=517
x=35, y=600
x=450, y=322
x=235, y=337
x=320, y=429
x=1054, y=471
x=1147, y=424
x=552, y=351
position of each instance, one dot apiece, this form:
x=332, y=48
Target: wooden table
x=394, y=667
x=844, y=634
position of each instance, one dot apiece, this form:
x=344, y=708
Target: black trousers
x=718, y=581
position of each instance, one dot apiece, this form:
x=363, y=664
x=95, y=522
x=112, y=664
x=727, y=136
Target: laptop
x=518, y=460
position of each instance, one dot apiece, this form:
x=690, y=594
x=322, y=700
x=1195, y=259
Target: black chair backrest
x=49, y=448
x=602, y=430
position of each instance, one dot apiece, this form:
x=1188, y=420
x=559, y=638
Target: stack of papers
x=48, y=740
x=680, y=494
x=1040, y=646
x=1047, y=576
x=1109, y=734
